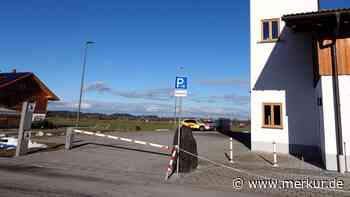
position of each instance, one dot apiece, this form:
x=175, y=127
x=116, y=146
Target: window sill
x=267, y=41
x=268, y=127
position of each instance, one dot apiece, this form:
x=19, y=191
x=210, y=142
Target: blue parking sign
x=181, y=83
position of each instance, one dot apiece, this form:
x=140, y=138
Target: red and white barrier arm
x=163, y=147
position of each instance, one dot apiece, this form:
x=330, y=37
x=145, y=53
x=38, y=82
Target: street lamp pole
x=82, y=82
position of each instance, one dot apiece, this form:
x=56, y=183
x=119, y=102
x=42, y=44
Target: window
x=272, y=115
x=270, y=30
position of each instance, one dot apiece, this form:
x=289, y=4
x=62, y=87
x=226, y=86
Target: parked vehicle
x=195, y=124
x=211, y=123
x=223, y=125
x=8, y=143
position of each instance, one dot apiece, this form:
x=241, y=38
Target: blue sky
x=139, y=47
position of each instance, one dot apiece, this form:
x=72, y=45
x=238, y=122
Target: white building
x=292, y=90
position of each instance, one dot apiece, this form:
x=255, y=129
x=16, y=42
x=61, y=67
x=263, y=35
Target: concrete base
x=331, y=162
x=268, y=147
x=341, y=161
x=311, y=154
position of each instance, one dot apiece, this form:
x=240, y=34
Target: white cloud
x=150, y=94
x=228, y=98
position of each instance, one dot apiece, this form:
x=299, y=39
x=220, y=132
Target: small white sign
x=31, y=107
x=180, y=93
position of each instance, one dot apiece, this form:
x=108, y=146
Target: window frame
x=272, y=125
x=270, y=39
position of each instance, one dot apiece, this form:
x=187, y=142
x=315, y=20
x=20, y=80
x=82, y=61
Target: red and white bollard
x=274, y=154
x=231, y=150
x=171, y=162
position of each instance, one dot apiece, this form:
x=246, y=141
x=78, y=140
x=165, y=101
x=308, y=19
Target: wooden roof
x=8, y=79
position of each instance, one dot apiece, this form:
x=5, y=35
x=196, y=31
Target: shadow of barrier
x=119, y=147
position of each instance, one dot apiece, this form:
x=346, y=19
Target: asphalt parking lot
x=105, y=167
x=99, y=166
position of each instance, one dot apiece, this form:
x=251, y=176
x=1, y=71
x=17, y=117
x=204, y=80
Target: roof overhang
x=323, y=23
x=49, y=94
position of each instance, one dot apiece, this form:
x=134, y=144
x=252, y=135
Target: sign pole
x=175, y=114
x=180, y=91
x=178, y=138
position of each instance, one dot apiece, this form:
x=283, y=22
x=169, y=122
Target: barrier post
x=24, y=132
x=231, y=150
x=274, y=154
x=69, y=138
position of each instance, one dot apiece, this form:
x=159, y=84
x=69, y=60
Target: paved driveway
x=106, y=168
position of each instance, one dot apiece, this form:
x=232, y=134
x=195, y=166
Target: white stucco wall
x=278, y=70
x=344, y=93
x=266, y=9
x=320, y=127
x=263, y=138
x=330, y=151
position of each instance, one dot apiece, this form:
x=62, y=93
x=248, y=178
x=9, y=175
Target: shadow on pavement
x=121, y=147
x=243, y=138
x=49, y=148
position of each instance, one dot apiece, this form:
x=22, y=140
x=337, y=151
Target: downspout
x=337, y=114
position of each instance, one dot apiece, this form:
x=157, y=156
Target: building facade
x=17, y=87
x=292, y=90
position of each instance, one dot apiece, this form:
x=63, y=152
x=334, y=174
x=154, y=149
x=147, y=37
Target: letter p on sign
x=181, y=83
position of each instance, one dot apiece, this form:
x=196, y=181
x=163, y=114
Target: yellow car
x=195, y=124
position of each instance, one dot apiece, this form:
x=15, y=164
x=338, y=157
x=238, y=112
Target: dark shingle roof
x=7, y=78
x=317, y=13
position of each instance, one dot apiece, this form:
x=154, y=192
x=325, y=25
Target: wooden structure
x=343, y=57
x=330, y=30
x=17, y=87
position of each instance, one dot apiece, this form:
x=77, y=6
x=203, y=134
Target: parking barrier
x=163, y=147
x=170, y=168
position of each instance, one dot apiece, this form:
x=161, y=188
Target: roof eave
x=321, y=23
x=51, y=96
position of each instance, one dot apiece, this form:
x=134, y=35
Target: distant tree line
x=126, y=116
